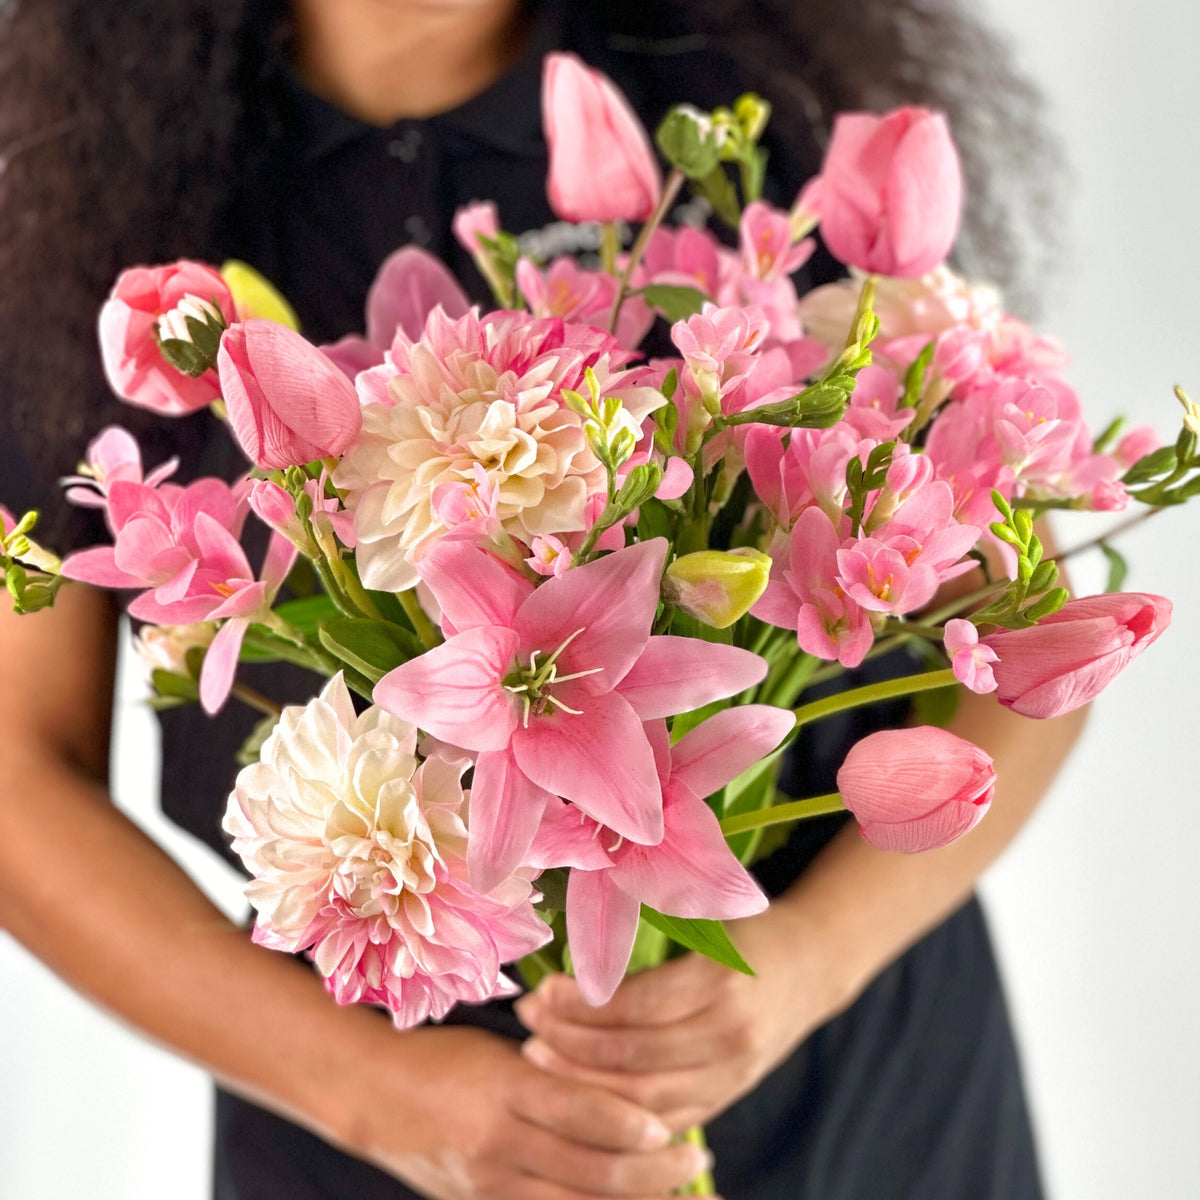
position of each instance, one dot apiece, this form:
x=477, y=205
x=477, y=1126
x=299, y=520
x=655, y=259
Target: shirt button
x=417, y=230
x=406, y=147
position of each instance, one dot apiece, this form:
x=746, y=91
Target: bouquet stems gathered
x=568, y=600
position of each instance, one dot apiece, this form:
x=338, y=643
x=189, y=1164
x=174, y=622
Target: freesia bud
x=915, y=789
x=130, y=335
x=1072, y=655
x=288, y=404
x=188, y=335
x=891, y=192
x=602, y=167
x=717, y=586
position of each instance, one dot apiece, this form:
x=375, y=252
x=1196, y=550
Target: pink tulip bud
x=602, y=167
x=1072, y=655
x=915, y=789
x=288, y=404
x=891, y=192
x=130, y=328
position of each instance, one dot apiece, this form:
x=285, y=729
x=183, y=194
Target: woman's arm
x=691, y=1037
x=456, y=1113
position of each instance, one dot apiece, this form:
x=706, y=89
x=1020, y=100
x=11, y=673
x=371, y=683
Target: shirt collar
x=505, y=117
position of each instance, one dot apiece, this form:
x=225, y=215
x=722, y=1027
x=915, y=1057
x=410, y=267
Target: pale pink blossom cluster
x=836, y=573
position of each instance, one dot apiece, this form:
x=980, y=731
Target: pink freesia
x=181, y=544
x=549, y=687
x=357, y=851
x=768, y=251
x=112, y=456
x=915, y=789
x=891, y=191
x=479, y=218
x=133, y=362
x=690, y=873
x=1069, y=657
x=287, y=403
x=970, y=661
x=602, y=167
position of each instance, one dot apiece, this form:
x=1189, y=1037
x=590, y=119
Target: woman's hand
x=689, y=1038
x=459, y=1114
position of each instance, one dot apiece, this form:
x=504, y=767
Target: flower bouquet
x=568, y=598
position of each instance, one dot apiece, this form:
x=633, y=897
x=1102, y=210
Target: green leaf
x=373, y=648
x=1150, y=466
x=752, y=791
x=684, y=144
x=675, y=301
x=685, y=722
x=717, y=188
x=1118, y=568
x=175, y=687
x=250, y=750
x=705, y=937
x=308, y=612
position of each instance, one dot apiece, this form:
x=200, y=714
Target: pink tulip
x=133, y=362
x=288, y=404
x=890, y=192
x=1072, y=655
x=915, y=789
x=602, y=167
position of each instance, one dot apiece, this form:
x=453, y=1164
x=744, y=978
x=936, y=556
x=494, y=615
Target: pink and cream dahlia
x=358, y=852
x=483, y=392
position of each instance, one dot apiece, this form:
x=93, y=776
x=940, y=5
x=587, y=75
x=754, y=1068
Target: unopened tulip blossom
x=915, y=789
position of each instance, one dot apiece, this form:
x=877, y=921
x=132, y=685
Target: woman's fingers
x=544, y=1156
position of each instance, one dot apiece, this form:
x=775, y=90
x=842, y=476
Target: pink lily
x=690, y=873
x=549, y=686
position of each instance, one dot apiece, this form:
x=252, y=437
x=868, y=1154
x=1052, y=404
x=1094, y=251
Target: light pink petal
x=454, y=690
x=248, y=601
x=219, y=550
x=281, y=554
x=220, y=664
x=602, y=923
x=678, y=674
x=410, y=284
x=506, y=810
x=946, y=823
x=691, y=872
x=677, y=478
x=97, y=566
x=567, y=837
x=727, y=744
x=471, y=586
x=600, y=760
x=611, y=599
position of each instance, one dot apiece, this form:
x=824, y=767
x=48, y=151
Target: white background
x=1096, y=906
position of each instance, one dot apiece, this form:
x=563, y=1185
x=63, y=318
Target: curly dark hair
x=119, y=124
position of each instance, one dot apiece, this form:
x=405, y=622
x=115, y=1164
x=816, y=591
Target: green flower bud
x=717, y=586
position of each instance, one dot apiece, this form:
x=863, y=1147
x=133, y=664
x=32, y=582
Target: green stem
x=355, y=592
x=780, y=814
x=421, y=624
x=888, y=689
x=256, y=700
x=931, y=631
x=669, y=192
x=334, y=589
x=703, y=1184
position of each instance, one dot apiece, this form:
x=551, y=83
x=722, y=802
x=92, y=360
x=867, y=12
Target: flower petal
x=602, y=923
x=471, y=586
x=220, y=664
x=506, y=810
x=677, y=674
x=691, y=872
x=727, y=744
x=612, y=599
x=601, y=760
x=453, y=691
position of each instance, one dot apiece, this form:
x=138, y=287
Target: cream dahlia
x=477, y=392
x=358, y=852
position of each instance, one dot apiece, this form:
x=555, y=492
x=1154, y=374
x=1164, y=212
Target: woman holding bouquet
x=870, y=1056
